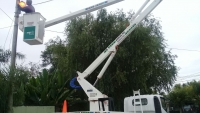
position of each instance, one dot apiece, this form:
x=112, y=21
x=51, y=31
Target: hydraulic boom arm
x=134, y=21
x=81, y=12
x=89, y=89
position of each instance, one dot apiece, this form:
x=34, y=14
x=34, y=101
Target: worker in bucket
x=26, y=7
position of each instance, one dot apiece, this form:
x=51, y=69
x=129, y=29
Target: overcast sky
x=180, y=24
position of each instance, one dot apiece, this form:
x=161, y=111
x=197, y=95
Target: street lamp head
x=22, y=4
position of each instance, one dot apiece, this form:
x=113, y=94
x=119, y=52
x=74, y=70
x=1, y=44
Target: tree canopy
x=5, y=55
x=140, y=63
x=185, y=94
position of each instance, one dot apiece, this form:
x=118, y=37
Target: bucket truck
x=33, y=25
x=99, y=101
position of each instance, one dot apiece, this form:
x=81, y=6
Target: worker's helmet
x=29, y=2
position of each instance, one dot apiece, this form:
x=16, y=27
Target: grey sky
x=180, y=25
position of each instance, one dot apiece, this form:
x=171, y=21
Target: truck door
x=157, y=105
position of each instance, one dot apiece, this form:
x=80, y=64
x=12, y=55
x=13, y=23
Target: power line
x=5, y=27
x=45, y=30
x=9, y=28
x=189, y=78
x=185, y=49
x=11, y=40
x=54, y=31
x=194, y=77
x=186, y=80
x=6, y=14
x=188, y=75
x=7, y=35
x=43, y=2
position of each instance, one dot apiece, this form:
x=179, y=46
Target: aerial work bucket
x=33, y=28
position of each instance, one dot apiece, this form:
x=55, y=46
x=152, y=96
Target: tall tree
x=185, y=94
x=5, y=55
x=141, y=61
x=4, y=93
x=19, y=81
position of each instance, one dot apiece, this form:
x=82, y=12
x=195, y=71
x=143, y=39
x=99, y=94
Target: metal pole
x=15, y=34
x=13, y=57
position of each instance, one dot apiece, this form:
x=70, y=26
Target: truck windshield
x=163, y=103
x=187, y=107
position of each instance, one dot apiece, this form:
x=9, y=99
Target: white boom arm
x=136, y=19
x=89, y=89
x=81, y=12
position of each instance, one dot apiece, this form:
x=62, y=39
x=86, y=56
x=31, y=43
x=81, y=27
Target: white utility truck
x=145, y=103
x=33, y=25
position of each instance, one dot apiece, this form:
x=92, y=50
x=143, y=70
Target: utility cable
x=184, y=49
x=45, y=30
x=189, y=75
x=183, y=81
x=43, y=2
x=7, y=36
x=54, y=31
x=189, y=79
x=6, y=14
x=11, y=40
x=5, y=27
x=9, y=27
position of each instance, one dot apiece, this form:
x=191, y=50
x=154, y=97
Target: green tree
x=185, y=94
x=196, y=89
x=4, y=93
x=141, y=61
x=5, y=55
x=48, y=89
x=19, y=80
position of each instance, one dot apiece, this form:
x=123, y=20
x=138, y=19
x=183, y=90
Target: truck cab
x=150, y=104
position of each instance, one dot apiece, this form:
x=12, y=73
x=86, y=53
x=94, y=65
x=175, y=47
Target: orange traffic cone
x=64, y=110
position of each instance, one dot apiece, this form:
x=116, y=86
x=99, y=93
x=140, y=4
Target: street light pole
x=15, y=34
x=13, y=58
